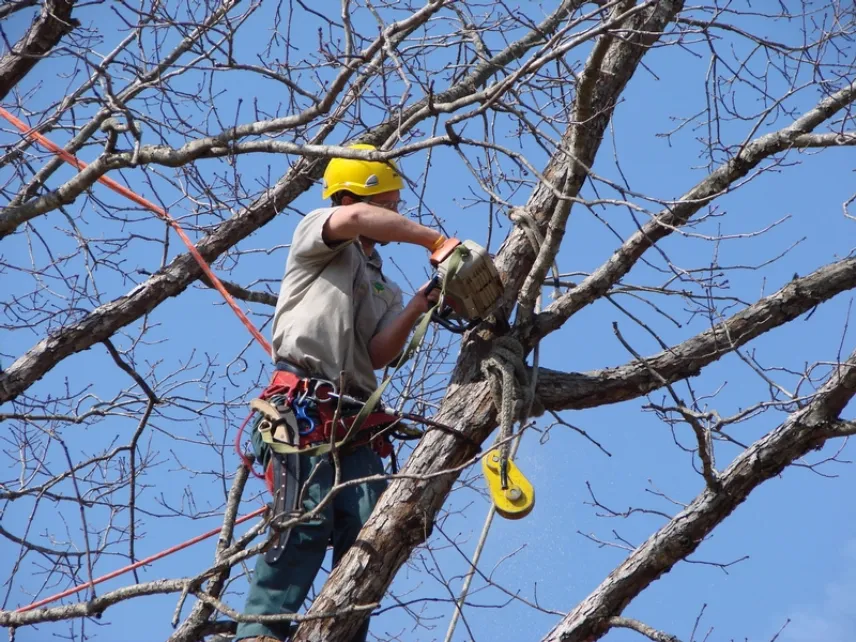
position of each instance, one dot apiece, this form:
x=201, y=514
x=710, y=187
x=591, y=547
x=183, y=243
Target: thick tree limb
x=44, y=34
x=842, y=428
x=803, y=431
x=566, y=391
x=827, y=139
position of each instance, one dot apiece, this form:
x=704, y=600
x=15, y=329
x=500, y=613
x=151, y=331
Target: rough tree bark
x=53, y=22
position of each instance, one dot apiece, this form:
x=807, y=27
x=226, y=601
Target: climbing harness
x=298, y=416
x=302, y=415
x=472, y=291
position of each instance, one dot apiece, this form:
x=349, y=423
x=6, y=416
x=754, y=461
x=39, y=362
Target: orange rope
x=162, y=213
x=135, y=565
x=139, y=200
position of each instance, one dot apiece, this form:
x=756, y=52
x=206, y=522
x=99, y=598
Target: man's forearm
x=387, y=344
x=365, y=219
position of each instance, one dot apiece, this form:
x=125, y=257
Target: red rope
x=135, y=565
x=139, y=200
x=162, y=213
x=248, y=463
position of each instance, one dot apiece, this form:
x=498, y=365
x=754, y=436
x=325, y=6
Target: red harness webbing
x=290, y=386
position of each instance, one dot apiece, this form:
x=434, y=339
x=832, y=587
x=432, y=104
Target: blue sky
x=797, y=530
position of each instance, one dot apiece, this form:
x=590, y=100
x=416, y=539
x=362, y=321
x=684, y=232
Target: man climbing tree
x=337, y=313
x=666, y=191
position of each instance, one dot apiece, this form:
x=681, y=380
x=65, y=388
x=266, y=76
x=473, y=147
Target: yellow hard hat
x=360, y=177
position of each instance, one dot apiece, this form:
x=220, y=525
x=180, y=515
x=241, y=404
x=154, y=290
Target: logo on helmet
x=372, y=181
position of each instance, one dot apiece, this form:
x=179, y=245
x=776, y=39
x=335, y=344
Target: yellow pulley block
x=514, y=502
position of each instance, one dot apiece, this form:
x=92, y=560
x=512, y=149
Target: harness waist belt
x=292, y=392
x=294, y=369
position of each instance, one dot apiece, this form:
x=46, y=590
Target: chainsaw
x=472, y=285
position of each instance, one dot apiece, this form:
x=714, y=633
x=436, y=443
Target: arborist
x=337, y=312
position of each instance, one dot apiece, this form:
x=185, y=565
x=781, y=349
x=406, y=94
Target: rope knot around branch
x=505, y=369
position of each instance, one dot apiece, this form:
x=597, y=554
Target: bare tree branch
x=642, y=628
x=717, y=183
x=584, y=390
x=44, y=34
x=804, y=430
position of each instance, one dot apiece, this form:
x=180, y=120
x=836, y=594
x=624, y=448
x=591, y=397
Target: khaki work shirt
x=332, y=301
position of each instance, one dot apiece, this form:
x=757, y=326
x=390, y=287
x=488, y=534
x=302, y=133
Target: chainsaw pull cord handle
x=441, y=250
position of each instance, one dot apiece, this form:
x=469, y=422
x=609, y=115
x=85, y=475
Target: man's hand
x=423, y=300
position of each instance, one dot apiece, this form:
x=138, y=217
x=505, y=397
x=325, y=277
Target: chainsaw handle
x=433, y=284
x=441, y=316
x=458, y=327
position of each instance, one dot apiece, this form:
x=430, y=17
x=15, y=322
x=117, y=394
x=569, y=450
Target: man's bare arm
x=387, y=344
x=364, y=219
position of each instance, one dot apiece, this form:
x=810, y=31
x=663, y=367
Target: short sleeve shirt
x=332, y=301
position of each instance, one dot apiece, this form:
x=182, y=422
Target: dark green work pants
x=282, y=587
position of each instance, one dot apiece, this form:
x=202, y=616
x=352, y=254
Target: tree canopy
x=667, y=191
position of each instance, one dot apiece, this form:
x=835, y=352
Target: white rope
x=505, y=370
x=507, y=359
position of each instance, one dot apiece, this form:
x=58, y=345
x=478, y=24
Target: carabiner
x=305, y=423
x=328, y=389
